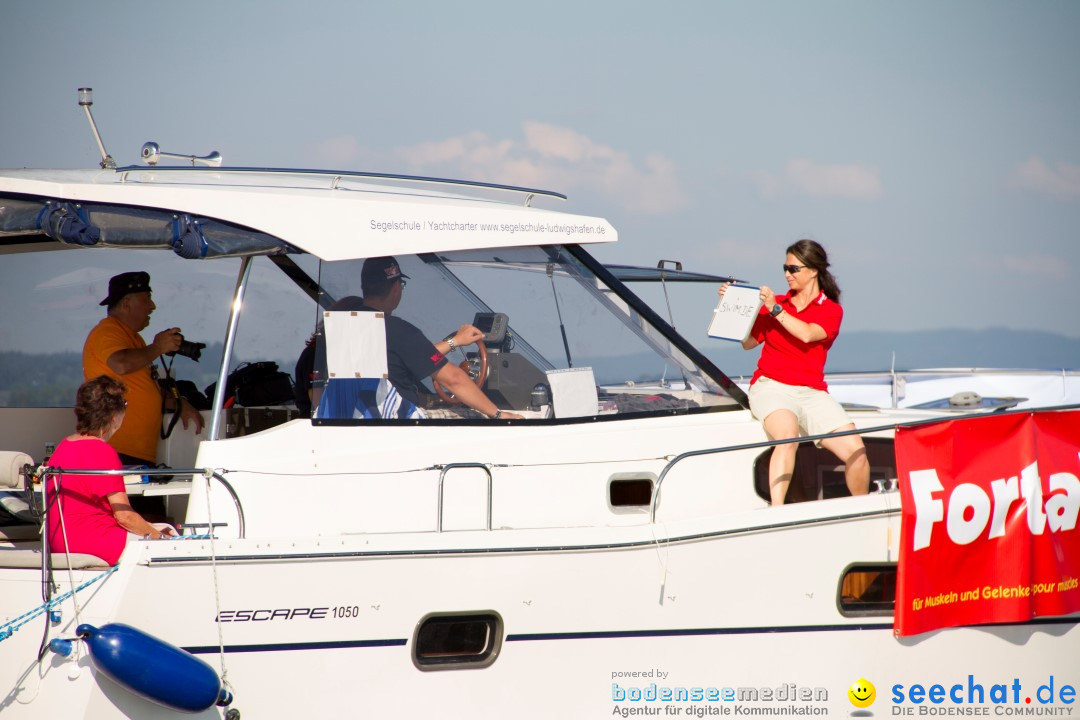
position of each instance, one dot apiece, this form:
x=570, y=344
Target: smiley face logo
x=862, y=693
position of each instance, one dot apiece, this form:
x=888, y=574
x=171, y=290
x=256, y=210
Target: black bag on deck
x=256, y=384
x=189, y=391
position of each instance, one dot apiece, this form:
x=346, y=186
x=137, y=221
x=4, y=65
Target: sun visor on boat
x=96, y=225
x=204, y=238
x=68, y=223
x=19, y=217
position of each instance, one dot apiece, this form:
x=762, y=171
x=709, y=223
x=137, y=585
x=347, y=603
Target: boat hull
x=747, y=603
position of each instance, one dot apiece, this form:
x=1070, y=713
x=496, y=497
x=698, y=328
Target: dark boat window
x=867, y=589
x=627, y=490
x=446, y=642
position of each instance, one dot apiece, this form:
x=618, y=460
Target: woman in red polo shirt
x=788, y=393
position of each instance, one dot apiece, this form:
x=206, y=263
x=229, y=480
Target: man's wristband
x=498, y=414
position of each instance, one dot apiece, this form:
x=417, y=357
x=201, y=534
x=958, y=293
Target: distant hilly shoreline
x=996, y=347
x=956, y=348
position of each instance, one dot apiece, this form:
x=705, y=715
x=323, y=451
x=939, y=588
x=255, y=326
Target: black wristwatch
x=776, y=310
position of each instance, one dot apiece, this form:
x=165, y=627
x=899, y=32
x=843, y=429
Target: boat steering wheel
x=477, y=375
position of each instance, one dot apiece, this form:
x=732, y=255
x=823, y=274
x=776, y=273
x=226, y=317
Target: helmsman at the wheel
x=410, y=356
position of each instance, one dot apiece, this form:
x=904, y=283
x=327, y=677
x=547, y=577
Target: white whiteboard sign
x=573, y=392
x=735, y=313
x=355, y=344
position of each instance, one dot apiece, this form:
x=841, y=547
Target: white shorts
x=816, y=410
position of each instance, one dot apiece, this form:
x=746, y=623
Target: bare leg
x=852, y=452
x=781, y=425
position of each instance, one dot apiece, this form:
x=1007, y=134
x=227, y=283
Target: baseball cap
x=125, y=284
x=381, y=269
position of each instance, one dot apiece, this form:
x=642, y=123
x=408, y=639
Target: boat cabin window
x=50, y=303
x=52, y=300
x=275, y=325
x=445, y=642
x=559, y=344
x=867, y=589
x=631, y=491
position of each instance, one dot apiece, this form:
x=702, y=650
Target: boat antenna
x=671, y=316
x=86, y=99
x=898, y=389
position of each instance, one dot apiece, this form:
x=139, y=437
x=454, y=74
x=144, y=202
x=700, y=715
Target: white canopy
x=331, y=216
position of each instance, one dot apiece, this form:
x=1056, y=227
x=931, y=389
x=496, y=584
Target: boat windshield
x=560, y=343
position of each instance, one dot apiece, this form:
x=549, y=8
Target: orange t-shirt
x=138, y=435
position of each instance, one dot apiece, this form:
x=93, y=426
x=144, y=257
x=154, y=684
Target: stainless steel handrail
x=442, y=476
x=338, y=175
x=230, y=338
x=45, y=471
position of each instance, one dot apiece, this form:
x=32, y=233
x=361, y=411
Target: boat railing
x=46, y=471
x=443, y=469
x=897, y=380
x=335, y=177
x=655, y=502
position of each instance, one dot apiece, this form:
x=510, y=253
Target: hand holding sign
x=735, y=312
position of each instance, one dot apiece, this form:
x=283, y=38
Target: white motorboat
x=611, y=554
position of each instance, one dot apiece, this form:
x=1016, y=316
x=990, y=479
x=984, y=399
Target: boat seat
x=12, y=505
x=27, y=555
x=11, y=465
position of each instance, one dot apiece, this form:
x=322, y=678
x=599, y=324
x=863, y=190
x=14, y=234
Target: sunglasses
x=793, y=269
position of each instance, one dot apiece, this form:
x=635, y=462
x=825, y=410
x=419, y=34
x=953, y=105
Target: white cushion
x=11, y=465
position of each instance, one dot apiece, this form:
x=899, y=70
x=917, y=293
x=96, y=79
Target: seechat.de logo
x=862, y=693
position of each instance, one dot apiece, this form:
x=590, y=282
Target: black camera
x=189, y=349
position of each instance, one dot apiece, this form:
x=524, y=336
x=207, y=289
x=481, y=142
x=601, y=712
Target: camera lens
x=190, y=349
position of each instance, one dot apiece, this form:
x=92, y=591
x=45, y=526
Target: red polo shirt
x=787, y=359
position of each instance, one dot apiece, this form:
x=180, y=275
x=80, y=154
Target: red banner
x=989, y=526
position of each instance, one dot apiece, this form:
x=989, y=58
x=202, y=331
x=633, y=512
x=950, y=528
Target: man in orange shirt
x=115, y=348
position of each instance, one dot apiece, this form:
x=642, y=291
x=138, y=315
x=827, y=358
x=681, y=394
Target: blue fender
x=152, y=668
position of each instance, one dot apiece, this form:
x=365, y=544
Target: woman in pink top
x=97, y=515
x=788, y=393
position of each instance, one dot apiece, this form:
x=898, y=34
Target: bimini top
x=221, y=212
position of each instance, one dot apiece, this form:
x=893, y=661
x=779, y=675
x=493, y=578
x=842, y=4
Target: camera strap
x=169, y=389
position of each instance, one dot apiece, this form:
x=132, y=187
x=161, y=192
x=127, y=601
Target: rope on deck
x=8, y=628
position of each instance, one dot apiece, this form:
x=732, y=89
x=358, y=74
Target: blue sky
x=933, y=148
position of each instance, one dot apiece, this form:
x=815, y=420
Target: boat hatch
x=968, y=401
